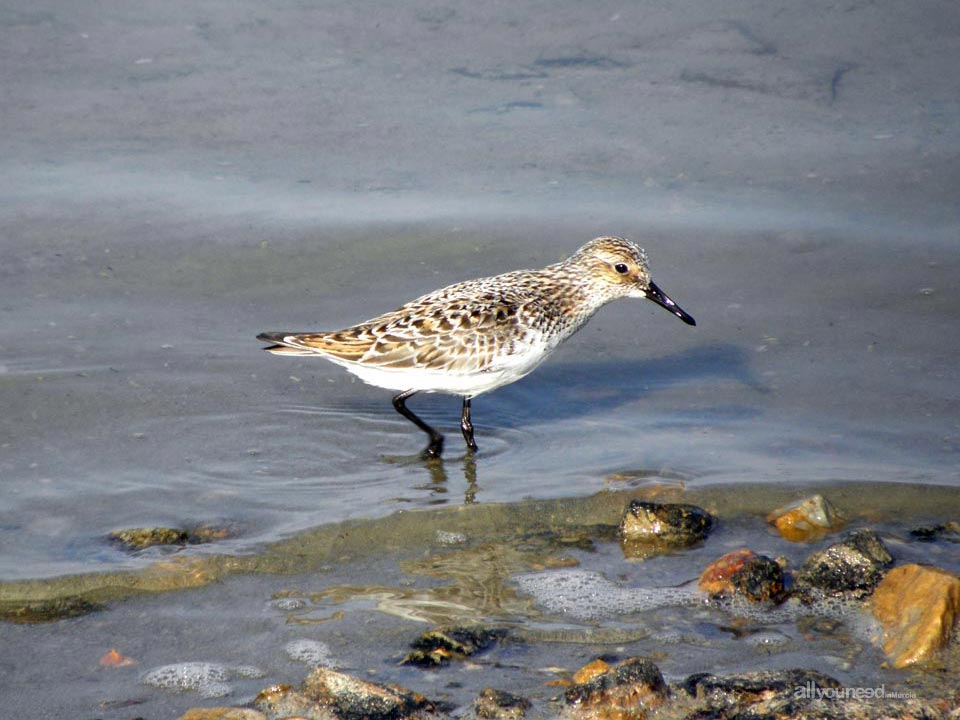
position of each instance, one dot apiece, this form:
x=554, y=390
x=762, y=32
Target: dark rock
x=499, y=705
x=852, y=566
x=440, y=645
x=750, y=687
x=790, y=694
x=948, y=531
x=745, y=573
x=670, y=525
x=631, y=686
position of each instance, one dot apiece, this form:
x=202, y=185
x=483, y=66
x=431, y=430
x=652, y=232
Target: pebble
x=918, y=607
x=440, y=645
x=649, y=527
x=493, y=704
x=743, y=573
x=624, y=689
x=854, y=565
x=806, y=520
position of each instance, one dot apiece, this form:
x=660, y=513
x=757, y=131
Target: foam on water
x=311, y=652
x=585, y=595
x=447, y=537
x=210, y=680
x=590, y=596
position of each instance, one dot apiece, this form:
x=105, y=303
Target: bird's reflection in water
x=439, y=471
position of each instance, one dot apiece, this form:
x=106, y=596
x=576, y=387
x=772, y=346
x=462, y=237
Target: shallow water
x=176, y=179
x=148, y=402
x=358, y=593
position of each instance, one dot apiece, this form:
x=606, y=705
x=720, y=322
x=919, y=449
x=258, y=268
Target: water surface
x=176, y=179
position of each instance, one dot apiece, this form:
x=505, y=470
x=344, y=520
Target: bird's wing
x=465, y=328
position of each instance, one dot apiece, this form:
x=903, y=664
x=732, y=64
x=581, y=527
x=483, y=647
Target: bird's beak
x=660, y=298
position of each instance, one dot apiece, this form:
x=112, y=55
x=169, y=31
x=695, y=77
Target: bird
x=475, y=336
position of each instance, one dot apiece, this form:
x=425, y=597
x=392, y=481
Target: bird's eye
x=621, y=268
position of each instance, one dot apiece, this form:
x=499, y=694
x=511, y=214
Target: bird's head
x=620, y=267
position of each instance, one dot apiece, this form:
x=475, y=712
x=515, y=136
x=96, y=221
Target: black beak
x=660, y=298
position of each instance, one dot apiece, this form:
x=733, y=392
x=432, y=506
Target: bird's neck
x=575, y=299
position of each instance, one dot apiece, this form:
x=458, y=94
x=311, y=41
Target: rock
x=133, y=539
x=208, y=534
x=852, y=566
x=282, y=701
x=805, y=520
x=114, y=658
x=351, y=697
x=788, y=694
x=746, y=574
x=627, y=689
x=439, y=646
x=748, y=688
x=649, y=526
x=918, y=607
x=499, y=705
x=222, y=713
x=948, y=531
x=591, y=670
x=136, y=539
x=50, y=610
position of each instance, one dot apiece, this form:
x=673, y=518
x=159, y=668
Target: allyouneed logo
x=812, y=691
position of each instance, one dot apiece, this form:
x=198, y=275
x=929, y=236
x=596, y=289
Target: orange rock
x=744, y=573
x=715, y=578
x=917, y=606
x=805, y=520
x=590, y=671
x=224, y=713
x=113, y=658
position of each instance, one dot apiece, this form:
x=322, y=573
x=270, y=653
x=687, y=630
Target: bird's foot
x=434, y=450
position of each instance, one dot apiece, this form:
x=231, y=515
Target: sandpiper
x=475, y=336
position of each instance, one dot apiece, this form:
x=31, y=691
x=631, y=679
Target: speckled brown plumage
x=474, y=336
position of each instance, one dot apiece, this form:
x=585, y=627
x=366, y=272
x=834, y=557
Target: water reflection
x=438, y=470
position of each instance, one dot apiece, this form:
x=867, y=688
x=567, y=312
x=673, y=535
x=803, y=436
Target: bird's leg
x=467, y=427
x=435, y=448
